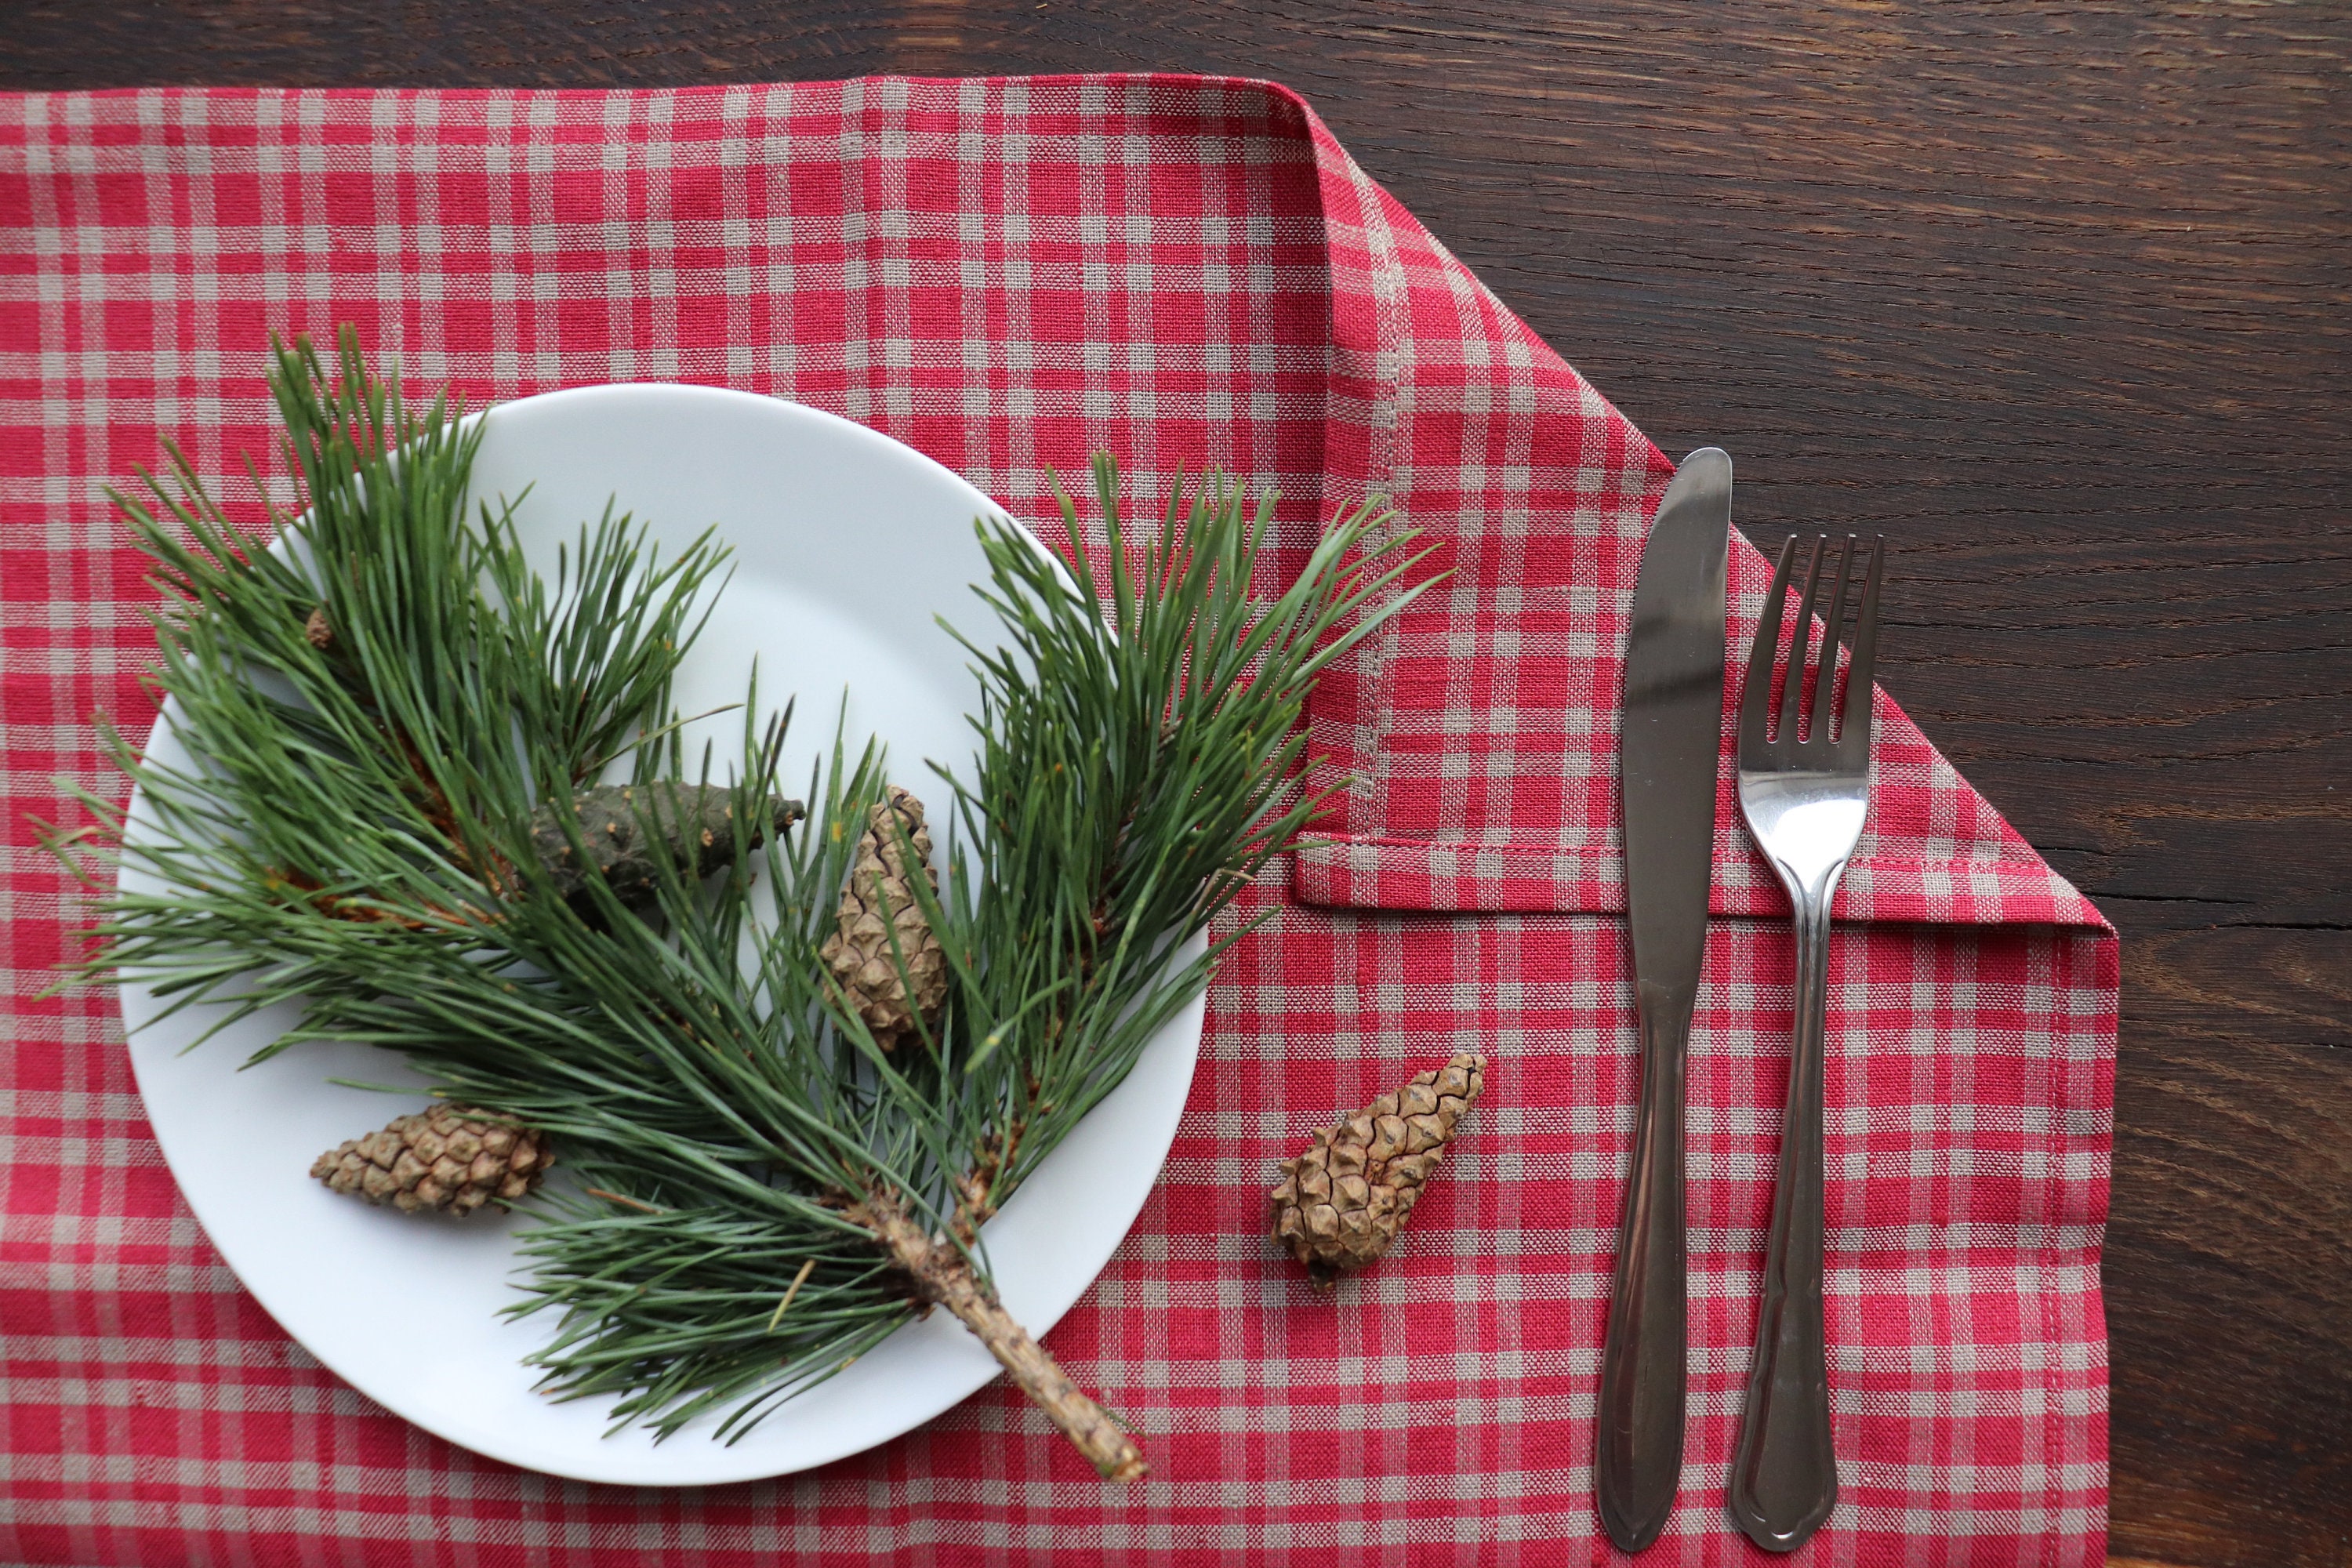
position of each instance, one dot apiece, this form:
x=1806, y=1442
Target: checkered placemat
x=1007, y=274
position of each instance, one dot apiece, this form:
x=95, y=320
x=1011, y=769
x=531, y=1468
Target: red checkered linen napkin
x=1007, y=274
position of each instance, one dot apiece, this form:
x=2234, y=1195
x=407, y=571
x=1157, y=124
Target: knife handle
x=1784, y=1475
x=1637, y=1460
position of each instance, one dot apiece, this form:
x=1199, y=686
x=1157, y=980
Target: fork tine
x=1824, y=704
x=1756, y=687
x=1855, y=726
x=1801, y=644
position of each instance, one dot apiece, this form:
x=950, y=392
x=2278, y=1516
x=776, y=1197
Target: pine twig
x=941, y=1274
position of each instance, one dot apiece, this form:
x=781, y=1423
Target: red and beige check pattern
x=1006, y=275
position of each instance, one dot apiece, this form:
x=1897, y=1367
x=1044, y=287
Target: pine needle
x=628, y=1202
x=791, y=1290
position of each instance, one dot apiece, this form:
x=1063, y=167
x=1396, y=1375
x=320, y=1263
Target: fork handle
x=1784, y=1476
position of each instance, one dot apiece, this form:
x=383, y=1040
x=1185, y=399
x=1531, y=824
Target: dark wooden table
x=2058, y=295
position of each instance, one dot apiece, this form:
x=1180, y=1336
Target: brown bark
x=943, y=1274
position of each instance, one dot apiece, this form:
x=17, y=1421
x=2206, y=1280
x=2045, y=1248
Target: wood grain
x=2057, y=295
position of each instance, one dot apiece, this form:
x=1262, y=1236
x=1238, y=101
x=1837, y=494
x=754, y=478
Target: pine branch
x=373, y=782
x=375, y=709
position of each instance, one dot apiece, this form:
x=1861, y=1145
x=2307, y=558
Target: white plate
x=846, y=543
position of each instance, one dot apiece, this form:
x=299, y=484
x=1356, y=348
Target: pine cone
x=450, y=1158
x=1341, y=1204
x=696, y=821
x=879, y=897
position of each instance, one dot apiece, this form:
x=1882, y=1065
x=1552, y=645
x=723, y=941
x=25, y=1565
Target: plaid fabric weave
x=1006, y=275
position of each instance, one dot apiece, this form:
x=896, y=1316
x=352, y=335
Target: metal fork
x=1805, y=787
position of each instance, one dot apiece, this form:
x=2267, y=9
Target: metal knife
x=1669, y=739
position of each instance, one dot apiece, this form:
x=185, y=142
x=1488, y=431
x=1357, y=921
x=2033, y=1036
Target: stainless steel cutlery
x=1804, y=732
x=1805, y=787
x=1669, y=737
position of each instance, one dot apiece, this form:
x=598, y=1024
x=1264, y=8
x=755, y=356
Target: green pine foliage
x=354, y=832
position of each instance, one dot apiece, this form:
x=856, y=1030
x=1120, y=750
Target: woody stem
x=943, y=1274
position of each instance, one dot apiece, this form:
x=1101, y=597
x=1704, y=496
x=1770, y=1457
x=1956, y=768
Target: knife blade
x=1669, y=738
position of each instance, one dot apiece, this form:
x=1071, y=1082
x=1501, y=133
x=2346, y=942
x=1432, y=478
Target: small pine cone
x=317, y=632
x=1340, y=1204
x=877, y=899
x=450, y=1158
x=697, y=823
